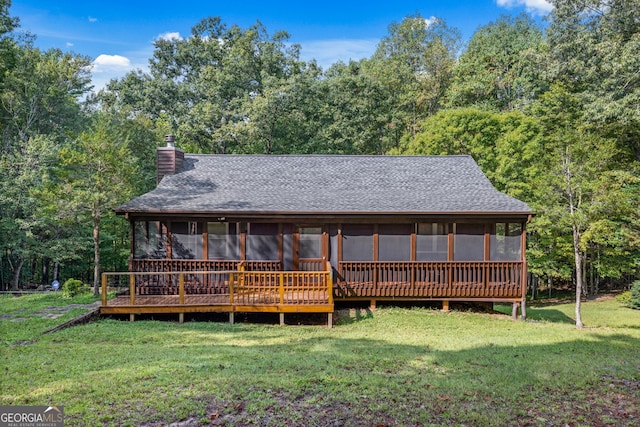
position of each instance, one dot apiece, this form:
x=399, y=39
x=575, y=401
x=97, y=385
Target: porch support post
x=231, y=319
x=445, y=305
x=372, y=304
x=281, y=319
x=330, y=320
x=514, y=310
x=180, y=318
x=132, y=317
x=104, y=290
x=523, y=310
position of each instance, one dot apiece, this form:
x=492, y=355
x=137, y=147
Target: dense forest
x=550, y=112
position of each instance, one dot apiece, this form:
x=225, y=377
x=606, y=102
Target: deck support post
x=281, y=319
x=132, y=317
x=180, y=318
x=445, y=305
x=523, y=310
x=231, y=319
x=372, y=304
x=330, y=320
x=514, y=311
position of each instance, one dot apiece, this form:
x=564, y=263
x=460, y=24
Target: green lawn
x=392, y=367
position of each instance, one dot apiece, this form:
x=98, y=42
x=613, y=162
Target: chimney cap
x=170, y=140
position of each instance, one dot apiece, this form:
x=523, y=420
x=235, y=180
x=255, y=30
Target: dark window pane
x=186, y=240
x=262, y=241
x=394, y=242
x=432, y=242
x=357, y=242
x=468, y=242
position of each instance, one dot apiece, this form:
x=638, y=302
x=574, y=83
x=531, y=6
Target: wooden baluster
x=132, y=289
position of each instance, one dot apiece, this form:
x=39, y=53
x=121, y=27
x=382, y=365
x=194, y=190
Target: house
x=294, y=233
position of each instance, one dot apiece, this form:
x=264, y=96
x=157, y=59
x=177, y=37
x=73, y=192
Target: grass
x=393, y=366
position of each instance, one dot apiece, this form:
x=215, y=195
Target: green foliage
x=635, y=295
x=624, y=298
x=501, y=68
x=72, y=288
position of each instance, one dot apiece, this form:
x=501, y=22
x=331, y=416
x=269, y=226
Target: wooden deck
x=218, y=291
x=188, y=286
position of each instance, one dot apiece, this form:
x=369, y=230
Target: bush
x=635, y=295
x=624, y=298
x=72, y=287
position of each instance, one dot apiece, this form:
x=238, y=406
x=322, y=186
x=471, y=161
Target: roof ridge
x=402, y=156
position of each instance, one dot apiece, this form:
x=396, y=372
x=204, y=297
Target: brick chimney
x=169, y=159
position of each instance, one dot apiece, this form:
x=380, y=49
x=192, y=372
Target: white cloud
x=328, y=52
x=532, y=6
x=92, y=19
x=170, y=36
x=103, y=62
x=430, y=21
x=107, y=67
x=69, y=44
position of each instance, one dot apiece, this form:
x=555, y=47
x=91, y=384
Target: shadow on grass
x=329, y=380
x=548, y=315
x=151, y=372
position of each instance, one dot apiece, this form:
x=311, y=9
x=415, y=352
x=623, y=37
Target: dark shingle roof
x=308, y=184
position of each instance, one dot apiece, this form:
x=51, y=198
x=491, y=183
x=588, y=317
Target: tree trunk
x=579, y=275
x=96, y=254
x=56, y=268
x=16, y=276
x=45, y=271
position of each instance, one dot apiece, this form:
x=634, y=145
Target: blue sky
x=118, y=35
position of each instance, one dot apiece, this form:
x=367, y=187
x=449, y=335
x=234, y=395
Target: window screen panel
x=310, y=241
x=223, y=241
x=186, y=240
x=262, y=242
x=468, y=242
x=150, y=242
x=357, y=242
x=394, y=242
x=432, y=242
x=505, y=242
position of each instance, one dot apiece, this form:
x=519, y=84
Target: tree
x=38, y=112
x=220, y=89
x=99, y=173
x=356, y=115
x=578, y=178
x=503, y=144
x=501, y=68
x=414, y=62
x=594, y=52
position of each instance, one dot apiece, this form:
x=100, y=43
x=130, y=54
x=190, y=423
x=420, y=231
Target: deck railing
x=380, y=279
x=170, y=265
x=417, y=279
x=235, y=290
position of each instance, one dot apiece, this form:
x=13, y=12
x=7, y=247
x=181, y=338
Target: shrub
x=635, y=295
x=72, y=287
x=624, y=298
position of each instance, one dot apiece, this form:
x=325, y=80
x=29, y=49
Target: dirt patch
x=51, y=312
